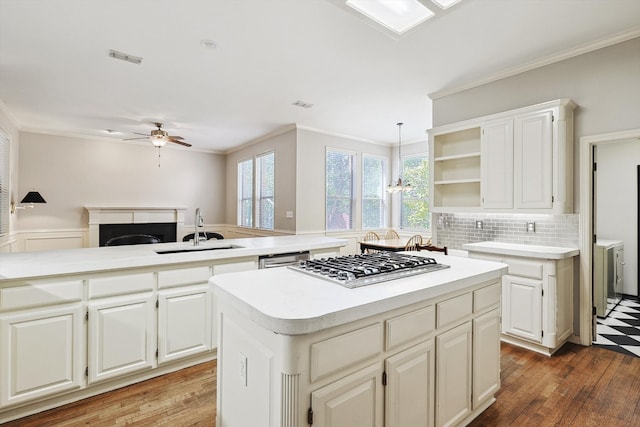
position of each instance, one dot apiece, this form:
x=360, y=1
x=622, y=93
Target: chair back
x=371, y=235
x=413, y=243
x=391, y=234
x=207, y=234
x=132, y=239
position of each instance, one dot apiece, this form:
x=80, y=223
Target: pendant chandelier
x=399, y=186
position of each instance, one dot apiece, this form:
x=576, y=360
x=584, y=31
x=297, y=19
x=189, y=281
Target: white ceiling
x=56, y=75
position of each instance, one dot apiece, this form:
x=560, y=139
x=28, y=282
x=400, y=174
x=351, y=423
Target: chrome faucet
x=198, y=222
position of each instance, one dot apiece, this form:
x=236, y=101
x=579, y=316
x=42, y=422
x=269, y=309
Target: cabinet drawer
x=524, y=268
x=234, y=267
x=40, y=294
x=339, y=352
x=410, y=326
x=454, y=309
x=486, y=297
x=183, y=276
x=121, y=285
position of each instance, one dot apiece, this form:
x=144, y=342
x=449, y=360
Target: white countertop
x=530, y=251
x=26, y=265
x=290, y=302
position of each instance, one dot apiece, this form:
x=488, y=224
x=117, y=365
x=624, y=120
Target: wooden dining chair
x=391, y=234
x=371, y=235
x=413, y=243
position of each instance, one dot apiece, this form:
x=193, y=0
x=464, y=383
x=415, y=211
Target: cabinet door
x=619, y=256
x=497, y=164
x=184, y=322
x=533, y=148
x=41, y=353
x=486, y=356
x=354, y=401
x=121, y=336
x=410, y=391
x=522, y=307
x=453, y=375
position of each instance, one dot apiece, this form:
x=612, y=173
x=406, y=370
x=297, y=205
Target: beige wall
x=71, y=173
x=605, y=84
x=284, y=147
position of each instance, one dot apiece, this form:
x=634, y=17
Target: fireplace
x=165, y=231
x=166, y=223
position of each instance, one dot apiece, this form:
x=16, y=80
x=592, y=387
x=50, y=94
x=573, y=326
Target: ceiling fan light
x=158, y=141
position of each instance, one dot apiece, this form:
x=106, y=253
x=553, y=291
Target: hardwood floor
x=579, y=386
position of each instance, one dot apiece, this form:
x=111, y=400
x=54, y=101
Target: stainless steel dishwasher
x=282, y=260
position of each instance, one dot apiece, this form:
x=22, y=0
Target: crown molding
x=10, y=117
x=547, y=60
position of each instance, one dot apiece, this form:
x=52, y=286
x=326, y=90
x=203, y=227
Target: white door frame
x=586, y=223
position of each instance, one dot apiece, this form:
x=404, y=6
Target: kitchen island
x=296, y=350
x=79, y=322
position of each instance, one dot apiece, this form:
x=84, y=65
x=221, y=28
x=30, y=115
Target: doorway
x=592, y=219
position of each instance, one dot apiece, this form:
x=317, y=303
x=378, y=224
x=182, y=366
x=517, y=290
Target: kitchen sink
x=197, y=249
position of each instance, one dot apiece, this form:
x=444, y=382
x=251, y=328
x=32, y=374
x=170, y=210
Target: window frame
x=383, y=193
x=259, y=199
x=404, y=196
x=352, y=197
x=242, y=196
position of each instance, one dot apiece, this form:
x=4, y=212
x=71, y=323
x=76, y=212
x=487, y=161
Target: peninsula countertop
x=523, y=250
x=289, y=302
x=27, y=265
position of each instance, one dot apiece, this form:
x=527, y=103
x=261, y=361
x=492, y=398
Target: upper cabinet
x=517, y=161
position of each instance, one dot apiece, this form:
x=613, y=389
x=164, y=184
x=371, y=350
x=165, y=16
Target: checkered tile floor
x=620, y=330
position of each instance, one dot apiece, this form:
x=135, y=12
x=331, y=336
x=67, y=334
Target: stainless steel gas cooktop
x=359, y=270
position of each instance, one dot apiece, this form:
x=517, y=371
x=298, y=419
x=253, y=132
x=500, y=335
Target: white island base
x=295, y=351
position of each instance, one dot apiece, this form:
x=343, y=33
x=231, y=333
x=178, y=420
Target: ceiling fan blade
x=175, y=141
x=131, y=139
x=138, y=133
x=175, y=137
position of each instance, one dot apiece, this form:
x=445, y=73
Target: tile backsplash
x=454, y=230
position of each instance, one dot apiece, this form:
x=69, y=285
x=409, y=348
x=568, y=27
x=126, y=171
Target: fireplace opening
x=165, y=231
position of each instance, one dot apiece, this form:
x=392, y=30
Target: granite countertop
x=289, y=302
x=530, y=251
x=26, y=265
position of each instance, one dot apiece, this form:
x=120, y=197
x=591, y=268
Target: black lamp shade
x=33, y=197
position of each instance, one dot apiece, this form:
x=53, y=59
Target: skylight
x=397, y=15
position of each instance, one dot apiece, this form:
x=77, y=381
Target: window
x=373, y=169
x=339, y=190
x=4, y=185
x=258, y=173
x=245, y=193
x=265, y=174
x=415, y=204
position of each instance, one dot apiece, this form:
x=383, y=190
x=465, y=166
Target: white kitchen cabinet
x=41, y=354
x=537, y=300
x=522, y=307
x=518, y=161
x=453, y=371
x=122, y=336
x=410, y=385
x=533, y=156
x=184, y=322
x=486, y=356
x=355, y=400
x=497, y=164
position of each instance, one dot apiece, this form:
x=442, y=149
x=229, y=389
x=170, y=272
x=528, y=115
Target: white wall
x=617, y=202
x=284, y=147
x=72, y=173
x=310, y=202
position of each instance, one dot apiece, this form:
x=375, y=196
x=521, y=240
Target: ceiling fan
x=160, y=137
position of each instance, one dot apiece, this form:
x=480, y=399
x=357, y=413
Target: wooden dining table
x=393, y=245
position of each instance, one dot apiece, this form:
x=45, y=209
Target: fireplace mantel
x=132, y=215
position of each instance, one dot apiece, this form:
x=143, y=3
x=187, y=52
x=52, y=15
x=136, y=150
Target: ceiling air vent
x=302, y=104
x=125, y=57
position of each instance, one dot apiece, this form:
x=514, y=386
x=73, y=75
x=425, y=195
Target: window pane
x=245, y=193
x=339, y=190
x=265, y=174
x=415, y=204
x=372, y=192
